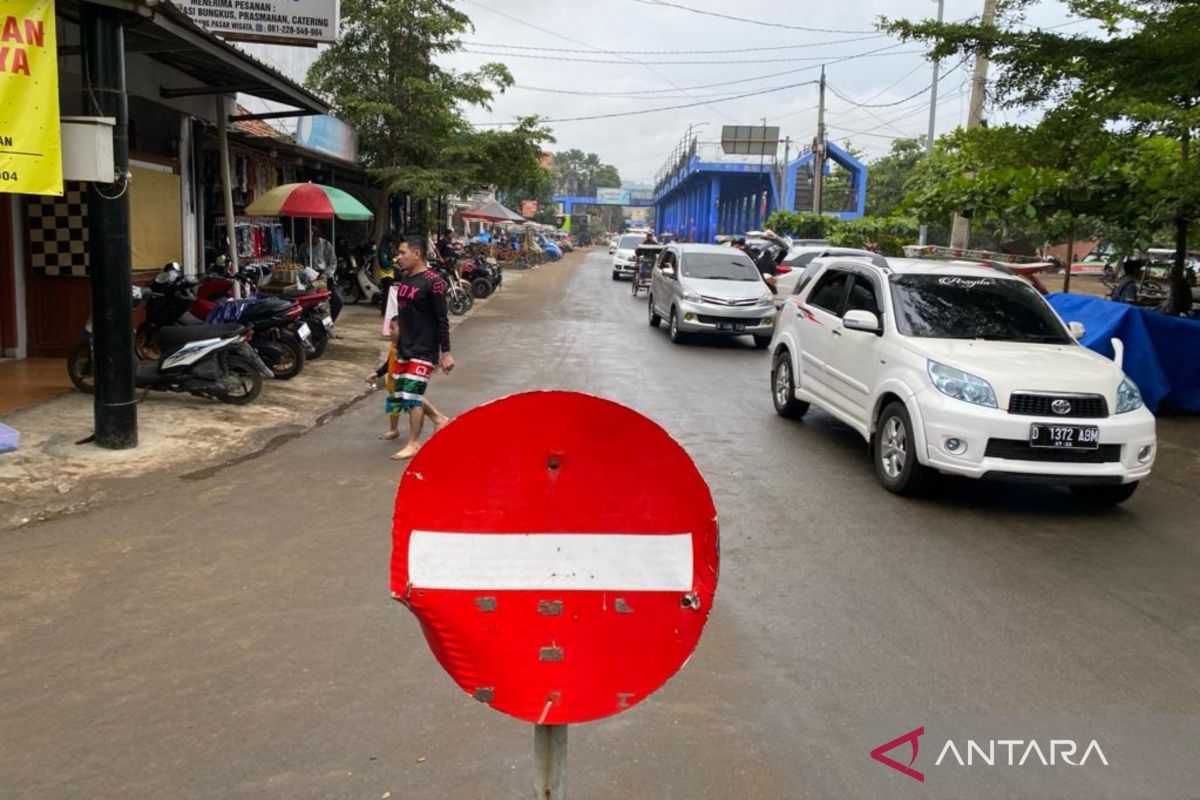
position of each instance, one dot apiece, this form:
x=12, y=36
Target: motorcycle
x=459, y=299
x=483, y=275
x=356, y=280
x=203, y=360
x=270, y=319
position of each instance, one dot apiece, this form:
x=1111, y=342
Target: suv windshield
x=962, y=307
x=719, y=267
x=630, y=242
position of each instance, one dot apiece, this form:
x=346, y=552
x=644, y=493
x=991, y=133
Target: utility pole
x=819, y=148
x=102, y=34
x=784, y=200
x=960, y=235
x=933, y=91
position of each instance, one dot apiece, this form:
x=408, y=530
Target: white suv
x=961, y=369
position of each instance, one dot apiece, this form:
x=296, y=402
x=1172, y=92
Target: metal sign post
x=550, y=762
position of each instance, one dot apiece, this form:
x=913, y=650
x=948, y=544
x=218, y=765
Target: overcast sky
x=638, y=145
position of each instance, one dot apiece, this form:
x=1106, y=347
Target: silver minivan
x=709, y=289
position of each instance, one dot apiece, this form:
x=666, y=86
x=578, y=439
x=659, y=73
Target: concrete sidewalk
x=54, y=475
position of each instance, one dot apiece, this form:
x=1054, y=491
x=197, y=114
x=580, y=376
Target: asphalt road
x=232, y=635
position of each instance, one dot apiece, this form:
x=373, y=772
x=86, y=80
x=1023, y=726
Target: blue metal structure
x=858, y=181
x=705, y=198
x=569, y=201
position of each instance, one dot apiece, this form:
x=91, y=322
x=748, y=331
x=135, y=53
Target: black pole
x=103, y=35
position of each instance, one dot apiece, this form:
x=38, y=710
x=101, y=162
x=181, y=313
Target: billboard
x=606, y=196
x=529, y=208
x=30, y=138
x=294, y=22
x=750, y=140
x=327, y=134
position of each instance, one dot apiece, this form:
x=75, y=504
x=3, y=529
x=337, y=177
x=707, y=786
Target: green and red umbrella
x=308, y=200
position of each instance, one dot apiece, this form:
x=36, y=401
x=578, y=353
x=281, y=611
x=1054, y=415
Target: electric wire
x=673, y=62
x=830, y=62
x=747, y=49
x=656, y=110
x=746, y=20
x=647, y=67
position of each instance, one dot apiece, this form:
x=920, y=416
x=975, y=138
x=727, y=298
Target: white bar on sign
x=598, y=561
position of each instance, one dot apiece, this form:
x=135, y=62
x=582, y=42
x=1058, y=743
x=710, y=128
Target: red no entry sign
x=561, y=553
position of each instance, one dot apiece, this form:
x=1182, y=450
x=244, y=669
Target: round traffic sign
x=561, y=553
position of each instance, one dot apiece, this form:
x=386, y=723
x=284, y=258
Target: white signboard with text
x=294, y=22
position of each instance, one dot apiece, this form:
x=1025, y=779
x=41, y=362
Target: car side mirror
x=858, y=320
x=1077, y=330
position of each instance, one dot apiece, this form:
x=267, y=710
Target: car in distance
x=959, y=369
x=624, y=263
x=800, y=258
x=710, y=289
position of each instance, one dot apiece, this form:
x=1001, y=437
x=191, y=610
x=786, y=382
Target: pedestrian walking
x=425, y=341
x=392, y=402
x=387, y=267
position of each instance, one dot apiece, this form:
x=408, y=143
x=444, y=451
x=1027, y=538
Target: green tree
x=887, y=176
x=580, y=173
x=1140, y=71
x=383, y=79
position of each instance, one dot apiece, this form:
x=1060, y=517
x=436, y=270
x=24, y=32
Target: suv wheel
x=673, y=327
x=616, y=274
x=894, y=453
x=654, y=317
x=783, y=388
x=1103, y=496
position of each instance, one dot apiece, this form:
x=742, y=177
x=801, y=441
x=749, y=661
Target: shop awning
x=166, y=34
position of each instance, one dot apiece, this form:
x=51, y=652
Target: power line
x=648, y=68
x=704, y=86
x=793, y=59
x=912, y=96
x=762, y=23
x=656, y=110
x=747, y=49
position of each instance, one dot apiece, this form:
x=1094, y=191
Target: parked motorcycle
x=459, y=299
x=270, y=318
x=202, y=360
x=483, y=275
x=356, y=279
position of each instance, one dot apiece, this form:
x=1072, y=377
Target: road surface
x=231, y=634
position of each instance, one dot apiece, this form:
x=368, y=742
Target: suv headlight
x=1128, y=396
x=767, y=299
x=690, y=295
x=961, y=385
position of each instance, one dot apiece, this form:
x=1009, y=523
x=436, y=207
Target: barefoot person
x=425, y=344
x=389, y=371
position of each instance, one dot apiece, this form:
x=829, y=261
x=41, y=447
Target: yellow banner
x=30, y=140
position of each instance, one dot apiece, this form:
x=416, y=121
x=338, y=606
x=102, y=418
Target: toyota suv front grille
x=1058, y=405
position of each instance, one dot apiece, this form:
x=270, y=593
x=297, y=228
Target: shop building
x=181, y=83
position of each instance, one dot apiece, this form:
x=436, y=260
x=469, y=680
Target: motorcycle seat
x=176, y=335
x=298, y=294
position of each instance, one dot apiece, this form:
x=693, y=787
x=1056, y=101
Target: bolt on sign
x=561, y=553
x=30, y=140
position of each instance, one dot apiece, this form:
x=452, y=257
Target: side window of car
x=829, y=291
x=862, y=296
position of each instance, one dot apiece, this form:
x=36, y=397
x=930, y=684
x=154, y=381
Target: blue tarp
x=1162, y=353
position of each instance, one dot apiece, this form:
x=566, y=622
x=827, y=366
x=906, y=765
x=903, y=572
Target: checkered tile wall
x=58, y=232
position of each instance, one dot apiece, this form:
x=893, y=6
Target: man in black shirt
x=424, y=338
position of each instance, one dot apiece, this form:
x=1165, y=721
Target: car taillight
x=783, y=270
